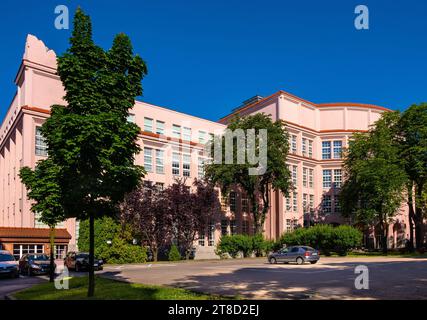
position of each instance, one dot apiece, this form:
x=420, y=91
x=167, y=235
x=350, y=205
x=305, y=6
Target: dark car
x=298, y=254
x=8, y=264
x=79, y=261
x=34, y=264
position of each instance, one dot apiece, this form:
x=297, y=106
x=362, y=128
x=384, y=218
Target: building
x=173, y=146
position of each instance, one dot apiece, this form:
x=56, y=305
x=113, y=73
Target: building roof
x=31, y=234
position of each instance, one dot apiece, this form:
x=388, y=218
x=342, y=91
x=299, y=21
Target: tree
x=257, y=187
x=412, y=139
x=90, y=139
x=43, y=187
x=146, y=210
x=375, y=178
x=190, y=211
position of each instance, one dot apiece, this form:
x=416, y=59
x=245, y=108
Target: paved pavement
x=8, y=286
x=331, y=278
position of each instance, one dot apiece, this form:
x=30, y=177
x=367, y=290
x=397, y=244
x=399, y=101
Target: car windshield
x=38, y=257
x=83, y=255
x=6, y=257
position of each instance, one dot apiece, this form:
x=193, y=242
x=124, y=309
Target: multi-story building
x=173, y=146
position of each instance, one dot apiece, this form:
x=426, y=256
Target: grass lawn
x=106, y=289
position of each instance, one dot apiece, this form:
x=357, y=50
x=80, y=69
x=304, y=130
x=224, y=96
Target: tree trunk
x=91, y=289
x=411, y=218
x=52, y=256
x=385, y=237
x=155, y=253
x=255, y=214
x=418, y=217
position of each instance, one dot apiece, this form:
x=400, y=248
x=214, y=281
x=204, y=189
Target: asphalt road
x=8, y=286
x=331, y=278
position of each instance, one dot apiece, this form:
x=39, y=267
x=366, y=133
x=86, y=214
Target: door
x=293, y=254
x=283, y=255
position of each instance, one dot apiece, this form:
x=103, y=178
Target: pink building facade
x=173, y=146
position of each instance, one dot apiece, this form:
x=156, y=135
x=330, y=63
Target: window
x=60, y=251
x=41, y=146
x=326, y=150
x=288, y=225
x=233, y=227
x=201, y=168
x=224, y=227
x=310, y=148
x=224, y=202
x=294, y=143
x=159, y=186
x=337, y=206
x=148, y=124
x=202, y=237
x=327, y=204
x=305, y=202
x=202, y=137
x=337, y=149
x=211, y=234
x=337, y=178
x=186, y=134
x=148, y=159
x=327, y=176
x=233, y=201
x=176, y=131
x=245, y=204
x=311, y=178
x=131, y=118
x=245, y=227
x=186, y=161
x=160, y=127
x=295, y=175
x=311, y=204
x=175, y=163
x=160, y=161
x=288, y=204
x=304, y=177
x=20, y=249
x=295, y=202
x=304, y=146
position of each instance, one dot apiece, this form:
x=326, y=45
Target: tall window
x=289, y=225
x=175, y=163
x=288, y=203
x=224, y=227
x=311, y=203
x=176, y=131
x=305, y=202
x=245, y=204
x=327, y=178
x=304, y=177
x=202, y=137
x=201, y=168
x=41, y=146
x=337, y=206
x=60, y=251
x=233, y=201
x=186, y=161
x=233, y=227
x=211, y=234
x=337, y=149
x=202, y=237
x=311, y=178
x=148, y=124
x=327, y=204
x=160, y=162
x=295, y=202
x=294, y=143
x=148, y=159
x=186, y=134
x=304, y=147
x=295, y=175
x=337, y=178
x=310, y=148
x=245, y=227
x=160, y=127
x=326, y=150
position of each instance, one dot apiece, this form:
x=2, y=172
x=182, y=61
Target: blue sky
x=206, y=57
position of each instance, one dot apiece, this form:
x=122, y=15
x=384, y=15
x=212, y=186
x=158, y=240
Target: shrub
x=244, y=244
x=325, y=238
x=261, y=246
x=174, y=254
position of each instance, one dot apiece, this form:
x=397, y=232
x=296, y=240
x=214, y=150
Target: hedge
x=325, y=238
x=244, y=244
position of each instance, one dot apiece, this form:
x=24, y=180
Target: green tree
x=412, y=138
x=90, y=139
x=257, y=187
x=375, y=177
x=45, y=191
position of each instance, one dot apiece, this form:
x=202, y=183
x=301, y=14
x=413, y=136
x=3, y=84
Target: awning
x=32, y=235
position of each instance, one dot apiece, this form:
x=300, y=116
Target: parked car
x=298, y=254
x=79, y=261
x=8, y=265
x=34, y=263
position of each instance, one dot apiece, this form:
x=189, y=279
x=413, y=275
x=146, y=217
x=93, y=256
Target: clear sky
x=206, y=56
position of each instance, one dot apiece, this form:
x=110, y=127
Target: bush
x=233, y=245
x=261, y=246
x=121, y=250
x=174, y=254
x=325, y=238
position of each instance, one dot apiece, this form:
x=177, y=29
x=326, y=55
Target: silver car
x=8, y=264
x=298, y=254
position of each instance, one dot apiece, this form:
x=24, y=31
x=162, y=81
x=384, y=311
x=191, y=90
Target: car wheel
x=313, y=262
x=300, y=260
x=273, y=260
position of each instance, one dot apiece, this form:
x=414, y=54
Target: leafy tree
x=146, y=209
x=174, y=254
x=90, y=139
x=412, y=139
x=43, y=188
x=375, y=178
x=257, y=187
